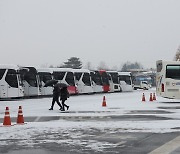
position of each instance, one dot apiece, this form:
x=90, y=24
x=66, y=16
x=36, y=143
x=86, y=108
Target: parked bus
x=31, y=82
x=45, y=74
x=105, y=80
x=168, y=79
x=114, y=81
x=65, y=75
x=83, y=81
x=96, y=81
x=125, y=80
x=10, y=82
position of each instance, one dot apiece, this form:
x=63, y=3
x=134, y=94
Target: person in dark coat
x=64, y=94
x=56, y=94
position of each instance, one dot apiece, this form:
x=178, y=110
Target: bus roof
x=48, y=70
x=167, y=62
x=81, y=70
x=62, y=69
x=124, y=73
x=9, y=66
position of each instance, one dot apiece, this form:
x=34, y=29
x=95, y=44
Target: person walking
x=64, y=94
x=56, y=94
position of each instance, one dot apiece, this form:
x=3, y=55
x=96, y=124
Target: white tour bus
x=125, y=80
x=114, y=81
x=83, y=81
x=66, y=75
x=96, y=81
x=31, y=82
x=168, y=79
x=45, y=74
x=10, y=82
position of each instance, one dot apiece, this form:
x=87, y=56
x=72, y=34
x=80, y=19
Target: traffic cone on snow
x=7, y=119
x=104, y=102
x=151, y=98
x=143, y=98
x=154, y=97
x=20, y=118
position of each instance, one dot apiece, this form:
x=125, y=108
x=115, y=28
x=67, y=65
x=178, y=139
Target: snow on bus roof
x=124, y=73
x=81, y=70
x=9, y=66
x=62, y=69
x=49, y=70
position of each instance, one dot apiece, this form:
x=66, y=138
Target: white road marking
x=168, y=147
x=37, y=119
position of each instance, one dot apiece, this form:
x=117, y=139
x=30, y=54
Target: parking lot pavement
x=94, y=141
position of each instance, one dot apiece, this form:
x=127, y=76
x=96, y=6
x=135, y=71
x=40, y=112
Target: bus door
x=69, y=80
x=12, y=83
x=105, y=80
x=44, y=77
x=78, y=82
x=3, y=84
x=20, y=87
x=30, y=85
x=83, y=82
x=86, y=82
x=96, y=82
x=111, y=84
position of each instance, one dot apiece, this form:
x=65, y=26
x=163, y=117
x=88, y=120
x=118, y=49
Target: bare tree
x=89, y=66
x=177, y=55
x=102, y=65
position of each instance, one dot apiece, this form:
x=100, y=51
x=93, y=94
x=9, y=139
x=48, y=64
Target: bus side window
x=11, y=78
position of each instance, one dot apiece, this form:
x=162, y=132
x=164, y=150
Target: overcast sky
x=48, y=32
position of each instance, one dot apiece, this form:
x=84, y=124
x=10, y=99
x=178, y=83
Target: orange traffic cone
x=154, y=97
x=104, y=102
x=143, y=98
x=20, y=118
x=7, y=119
x=151, y=98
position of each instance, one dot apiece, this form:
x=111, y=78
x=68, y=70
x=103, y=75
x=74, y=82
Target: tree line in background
x=75, y=63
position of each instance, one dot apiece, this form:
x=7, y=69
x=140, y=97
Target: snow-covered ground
x=118, y=104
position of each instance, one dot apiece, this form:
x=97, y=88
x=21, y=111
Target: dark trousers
x=56, y=99
x=63, y=104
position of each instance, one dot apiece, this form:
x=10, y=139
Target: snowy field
x=91, y=106
x=87, y=114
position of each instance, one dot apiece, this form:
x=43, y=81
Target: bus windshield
x=11, y=78
x=59, y=75
x=70, y=79
x=125, y=78
x=86, y=79
x=77, y=75
x=105, y=79
x=173, y=71
x=45, y=76
x=31, y=79
x=114, y=77
x=96, y=78
x=2, y=71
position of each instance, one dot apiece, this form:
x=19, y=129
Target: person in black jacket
x=56, y=94
x=64, y=94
